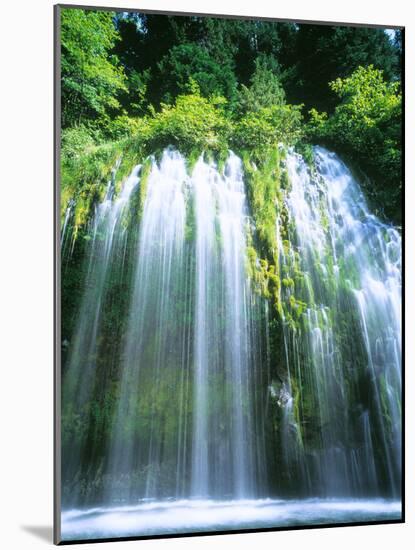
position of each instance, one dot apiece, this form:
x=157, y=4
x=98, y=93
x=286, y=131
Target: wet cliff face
x=230, y=333
x=341, y=292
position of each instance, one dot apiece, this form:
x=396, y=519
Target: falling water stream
x=345, y=351
x=105, y=258
x=187, y=434
x=222, y=462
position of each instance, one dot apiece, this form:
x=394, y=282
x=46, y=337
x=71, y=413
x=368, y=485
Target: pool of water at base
x=153, y=518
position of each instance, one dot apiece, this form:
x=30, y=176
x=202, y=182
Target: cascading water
x=341, y=278
x=187, y=343
x=222, y=457
x=107, y=238
x=154, y=383
x=171, y=358
x=64, y=232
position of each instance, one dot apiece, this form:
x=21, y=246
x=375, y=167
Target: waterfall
x=104, y=267
x=155, y=359
x=184, y=418
x=194, y=384
x=340, y=269
x=65, y=227
x=222, y=437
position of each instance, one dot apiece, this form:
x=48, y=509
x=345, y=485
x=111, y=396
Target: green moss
x=221, y=158
x=306, y=151
x=129, y=158
x=191, y=160
x=267, y=185
x=190, y=227
x=142, y=192
x=84, y=179
x=251, y=263
x=262, y=176
x=285, y=182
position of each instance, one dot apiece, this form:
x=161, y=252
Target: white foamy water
x=192, y=516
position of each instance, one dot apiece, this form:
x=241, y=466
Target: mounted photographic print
x=228, y=274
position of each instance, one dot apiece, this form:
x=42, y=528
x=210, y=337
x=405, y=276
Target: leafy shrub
x=123, y=126
x=317, y=124
x=268, y=126
x=85, y=175
x=75, y=142
x=194, y=122
x=366, y=124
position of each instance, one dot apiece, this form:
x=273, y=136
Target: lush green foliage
x=205, y=84
x=84, y=177
x=269, y=126
x=192, y=61
x=208, y=84
x=193, y=122
x=264, y=178
x=75, y=142
x=264, y=117
x=323, y=53
x=265, y=89
x=91, y=74
x=366, y=126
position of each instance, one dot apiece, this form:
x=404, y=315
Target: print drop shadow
x=43, y=532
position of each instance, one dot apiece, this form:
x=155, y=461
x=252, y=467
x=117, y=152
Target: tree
x=91, y=77
x=324, y=53
x=265, y=88
x=192, y=61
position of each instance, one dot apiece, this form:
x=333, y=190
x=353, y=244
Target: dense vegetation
x=210, y=84
x=134, y=84
x=366, y=128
